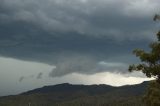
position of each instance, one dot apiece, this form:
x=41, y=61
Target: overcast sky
x=46, y=42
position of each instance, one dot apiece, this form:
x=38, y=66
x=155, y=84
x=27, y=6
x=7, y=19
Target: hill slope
x=79, y=95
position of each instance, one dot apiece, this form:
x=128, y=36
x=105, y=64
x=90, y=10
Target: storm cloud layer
x=76, y=36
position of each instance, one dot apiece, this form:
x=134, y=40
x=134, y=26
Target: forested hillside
x=79, y=95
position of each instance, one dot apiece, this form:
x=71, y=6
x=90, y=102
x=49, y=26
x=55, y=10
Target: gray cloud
x=71, y=64
x=21, y=79
x=29, y=77
x=76, y=35
x=39, y=76
x=114, y=67
x=92, y=17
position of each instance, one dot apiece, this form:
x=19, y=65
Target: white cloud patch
x=109, y=78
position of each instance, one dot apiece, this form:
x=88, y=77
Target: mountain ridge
x=73, y=87
x=66, y=94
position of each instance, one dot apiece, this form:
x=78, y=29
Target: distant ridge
x=90, y=89
x=79, y=95
x=66, y=87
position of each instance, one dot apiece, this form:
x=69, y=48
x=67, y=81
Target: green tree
x=152, y=97
x=150, y=66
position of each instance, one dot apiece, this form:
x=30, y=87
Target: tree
x=152, y=96
x=150, y=66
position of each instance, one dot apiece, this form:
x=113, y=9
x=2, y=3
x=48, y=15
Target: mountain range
x=79, y=95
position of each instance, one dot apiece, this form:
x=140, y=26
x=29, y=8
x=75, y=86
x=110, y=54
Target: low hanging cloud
x=74, y=64
x=39, y=76
x=21, y=79
x=85, y=65
x=76, y=36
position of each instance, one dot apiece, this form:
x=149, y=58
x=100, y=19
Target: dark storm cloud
x=90, y=17
x=76, y=35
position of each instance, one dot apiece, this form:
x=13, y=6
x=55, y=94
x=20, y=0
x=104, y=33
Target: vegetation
x=152, y=97
x=100, y=100
x=150, y=66
x=80, y=96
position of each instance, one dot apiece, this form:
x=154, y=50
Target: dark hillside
x=79, y=95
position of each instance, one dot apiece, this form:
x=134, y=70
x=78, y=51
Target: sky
x=47, y=42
